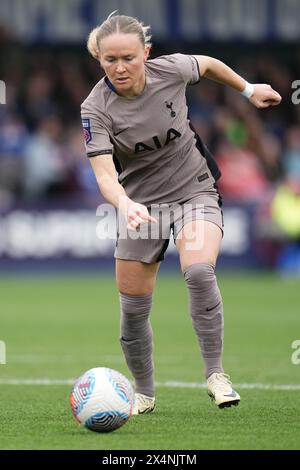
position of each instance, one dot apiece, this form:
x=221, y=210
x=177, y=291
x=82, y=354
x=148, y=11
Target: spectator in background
x=38, y=100
x=291, y=155
x=13, y=139
x=285, y=207
x=47, y=164
x=242, y=177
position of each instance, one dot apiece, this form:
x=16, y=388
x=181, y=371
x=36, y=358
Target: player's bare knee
x=133, y=290
x=135, y=286
x=136, y=278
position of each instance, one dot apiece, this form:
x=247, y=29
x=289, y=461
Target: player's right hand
x=264, y=96
x=134, y=213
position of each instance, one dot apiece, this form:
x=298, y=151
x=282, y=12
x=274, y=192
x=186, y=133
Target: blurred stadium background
x=48, y=221
x=48, y=194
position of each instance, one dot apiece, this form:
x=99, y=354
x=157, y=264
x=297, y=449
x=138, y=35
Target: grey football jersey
x=155, y=149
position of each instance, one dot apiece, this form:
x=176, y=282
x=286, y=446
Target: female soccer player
x=135, y=120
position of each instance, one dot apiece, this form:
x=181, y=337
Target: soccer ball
x=102, y=399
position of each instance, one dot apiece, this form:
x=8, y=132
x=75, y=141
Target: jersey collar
x=110, y=85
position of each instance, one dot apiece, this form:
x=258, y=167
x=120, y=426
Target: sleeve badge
x=86, y=124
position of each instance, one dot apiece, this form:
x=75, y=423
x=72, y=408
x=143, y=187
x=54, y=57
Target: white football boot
x=143, y=404
x=220, y=390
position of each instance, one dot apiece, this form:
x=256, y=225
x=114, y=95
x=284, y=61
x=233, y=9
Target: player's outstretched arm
x=260, y=95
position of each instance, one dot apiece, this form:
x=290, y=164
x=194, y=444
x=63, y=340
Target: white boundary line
x=168, y=384
x=245, y=386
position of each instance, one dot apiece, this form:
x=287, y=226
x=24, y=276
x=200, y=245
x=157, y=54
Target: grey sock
x=136, y=340
x=207, y=314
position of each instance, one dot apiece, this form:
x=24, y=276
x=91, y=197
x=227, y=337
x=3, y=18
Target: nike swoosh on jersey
x=120, y=132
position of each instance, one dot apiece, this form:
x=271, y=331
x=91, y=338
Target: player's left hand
x=264, y=96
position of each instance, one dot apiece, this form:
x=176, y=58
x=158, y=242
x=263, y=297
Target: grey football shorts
x=150, y=243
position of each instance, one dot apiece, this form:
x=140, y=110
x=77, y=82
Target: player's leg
x=136, y=278
x=136, y=282
x=198, y=244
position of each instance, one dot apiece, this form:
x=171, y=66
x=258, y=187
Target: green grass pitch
x=57, y=328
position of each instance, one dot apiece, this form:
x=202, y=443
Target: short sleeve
x=96, y=133
x=187, y=66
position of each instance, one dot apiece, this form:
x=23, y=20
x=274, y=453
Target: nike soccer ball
x=102, y=399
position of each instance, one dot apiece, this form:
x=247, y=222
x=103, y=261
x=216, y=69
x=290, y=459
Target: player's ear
x=147, y=52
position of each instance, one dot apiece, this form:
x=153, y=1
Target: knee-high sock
x=207, y=314
x=136, y=340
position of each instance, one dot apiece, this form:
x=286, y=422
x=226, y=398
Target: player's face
x=123, y=58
